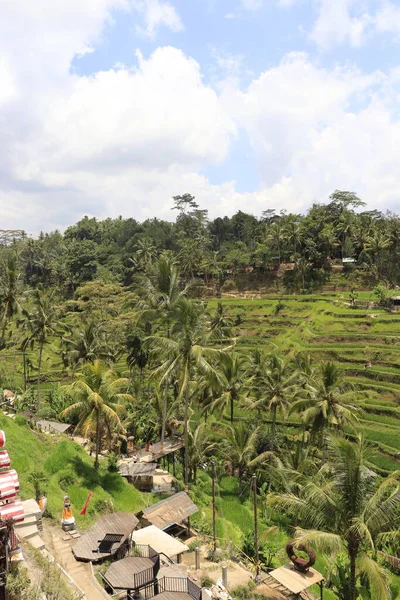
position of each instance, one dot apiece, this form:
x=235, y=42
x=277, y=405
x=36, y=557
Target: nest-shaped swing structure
x=301, y=564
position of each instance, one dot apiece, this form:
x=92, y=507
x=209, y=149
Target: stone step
x=30, y=520
x=28, y=532
x=37, y=542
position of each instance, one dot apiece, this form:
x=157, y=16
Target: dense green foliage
x=112, y=327
x=218, y=251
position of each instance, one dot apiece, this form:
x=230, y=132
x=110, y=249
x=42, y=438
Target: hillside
x=69, y=470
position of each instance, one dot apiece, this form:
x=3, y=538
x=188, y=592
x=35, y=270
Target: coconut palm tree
x=199, y=449
x=345, y=509
x=10, y=290
x=240, y=449
x=229, y=386
x=98, y=400
x=325, y=404
x=186, y=352
x=83, y=345
x=273, y=388
x=40, y=321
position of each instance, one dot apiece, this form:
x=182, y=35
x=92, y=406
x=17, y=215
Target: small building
x=52, y=426
x=395, y=302
x=108, y=538
x=133, y=573
x=170, y=514
x=160, y=541
x=139, y=473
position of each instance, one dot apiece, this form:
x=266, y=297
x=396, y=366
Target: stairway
x=30, y=528
x=79, y=572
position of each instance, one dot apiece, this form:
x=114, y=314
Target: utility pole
x=254, y=485
x=214, y=509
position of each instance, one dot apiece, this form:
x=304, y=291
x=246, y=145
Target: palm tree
x=229, y=386
x=377, y=244
x=83, y=345
x=240, y=449
x=185, y=352
x=10, y=290
x=41, y=321
x=199, y=449
x=98, y=401
x=158, y=296
x=273, y=388
x=344, y=509
x=158, y=293
x=325, y=405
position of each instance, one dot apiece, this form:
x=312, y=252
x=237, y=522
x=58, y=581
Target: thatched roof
x=170, y=511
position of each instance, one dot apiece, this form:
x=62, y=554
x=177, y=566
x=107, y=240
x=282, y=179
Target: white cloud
x=251, y=4
x=158, y=13
x=310, y=139
x=387, y=19
x=123, y=141
x=340, y=21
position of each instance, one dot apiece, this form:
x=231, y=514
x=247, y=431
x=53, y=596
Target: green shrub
x=21, y=420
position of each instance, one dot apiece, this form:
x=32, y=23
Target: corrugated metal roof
x=53, y=426
x=172, y=510
x=132, y=469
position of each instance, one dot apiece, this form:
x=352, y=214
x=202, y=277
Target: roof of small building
x=135, y=469
x=170, y=511
x=295, y=581
x=86, y=548
x=53, y=425
x=159, y=540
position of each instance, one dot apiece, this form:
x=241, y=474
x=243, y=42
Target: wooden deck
x=157, y=451
x=130, y=573
x=172, y=596
x=86, y=548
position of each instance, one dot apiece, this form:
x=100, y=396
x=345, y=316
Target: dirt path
x=80, y=572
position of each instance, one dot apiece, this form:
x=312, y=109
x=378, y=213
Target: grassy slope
x=70, y=471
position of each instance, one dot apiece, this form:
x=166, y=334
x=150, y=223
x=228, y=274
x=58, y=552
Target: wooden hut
x=139, y=473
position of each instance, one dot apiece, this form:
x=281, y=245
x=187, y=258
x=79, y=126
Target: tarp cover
x=14, y=510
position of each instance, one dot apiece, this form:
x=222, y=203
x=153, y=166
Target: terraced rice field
x=328, y=328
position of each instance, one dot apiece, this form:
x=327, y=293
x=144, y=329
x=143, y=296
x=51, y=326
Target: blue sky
x=110, y=107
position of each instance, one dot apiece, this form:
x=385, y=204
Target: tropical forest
x=267, y=347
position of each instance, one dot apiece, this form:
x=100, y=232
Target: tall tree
x=345, y=509
x=10, y=290
x=98, y=401
x=229, y=387
x=185, y=352
x=41, y=320
x=325, y=403
x=273, y=387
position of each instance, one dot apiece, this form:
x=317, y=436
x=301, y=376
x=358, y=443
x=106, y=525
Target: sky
x=111, y=107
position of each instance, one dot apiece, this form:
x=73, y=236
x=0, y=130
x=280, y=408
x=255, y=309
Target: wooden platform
x=126, y=574
x=293, y=580
x=86, y=548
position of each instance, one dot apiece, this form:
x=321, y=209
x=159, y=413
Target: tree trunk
x=273, y=422
x=164, y=415
x=231, y=408
x=98, y=432
x=39, y=372
x=352, y=580
x=186, y=418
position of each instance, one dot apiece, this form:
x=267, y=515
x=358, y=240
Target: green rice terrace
x=328, y=329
